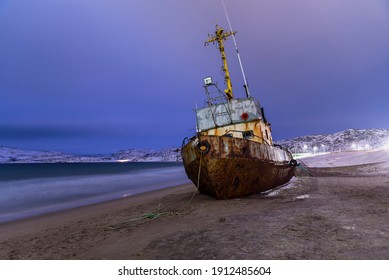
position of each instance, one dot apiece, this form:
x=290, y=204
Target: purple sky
x=98, y=76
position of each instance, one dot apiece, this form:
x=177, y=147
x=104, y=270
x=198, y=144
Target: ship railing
x=186, y=140
x=251, y=135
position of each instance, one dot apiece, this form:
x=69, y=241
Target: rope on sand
x=147, y=217
x=198, y=179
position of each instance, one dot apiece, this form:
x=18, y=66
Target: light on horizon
x=386, y=146
x=123, y=160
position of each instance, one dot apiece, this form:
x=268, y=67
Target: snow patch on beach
x=275, y=192
x=349, y=227
x=301, y=197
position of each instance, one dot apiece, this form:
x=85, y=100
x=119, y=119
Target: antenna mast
x=219, y=37
x=246, y=87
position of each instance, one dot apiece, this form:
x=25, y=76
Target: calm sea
x=33, y=189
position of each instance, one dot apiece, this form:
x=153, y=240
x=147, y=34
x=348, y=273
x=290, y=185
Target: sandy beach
x=339, y=213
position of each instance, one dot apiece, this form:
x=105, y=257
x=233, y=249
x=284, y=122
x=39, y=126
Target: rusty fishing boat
x=232, y=153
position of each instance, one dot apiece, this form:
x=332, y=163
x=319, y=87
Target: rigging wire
x=237, y=51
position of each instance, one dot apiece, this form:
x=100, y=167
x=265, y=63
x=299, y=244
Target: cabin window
x=248, y=134
x=267, y=135
x=228, y=135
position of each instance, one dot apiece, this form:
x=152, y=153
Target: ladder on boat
x=217, y=97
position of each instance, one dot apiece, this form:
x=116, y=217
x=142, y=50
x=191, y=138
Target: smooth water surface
x=33, y=189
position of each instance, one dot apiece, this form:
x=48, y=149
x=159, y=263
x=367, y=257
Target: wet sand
x=340, y=213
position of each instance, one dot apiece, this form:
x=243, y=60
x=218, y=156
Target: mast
x=246, y=86
x=219, y=37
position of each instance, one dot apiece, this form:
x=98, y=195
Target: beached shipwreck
x=232, y=154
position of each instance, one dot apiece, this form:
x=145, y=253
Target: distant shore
x=340, y=213
x=11, y=155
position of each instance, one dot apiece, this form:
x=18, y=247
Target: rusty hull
x=235, y=167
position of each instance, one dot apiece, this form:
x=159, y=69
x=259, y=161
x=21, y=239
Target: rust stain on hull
x=232, y=167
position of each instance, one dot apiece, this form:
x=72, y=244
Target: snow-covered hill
x=347, y=140
x=350, y=139
x=14, y=155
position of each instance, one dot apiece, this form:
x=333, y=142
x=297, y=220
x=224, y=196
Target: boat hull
x=226, y=167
